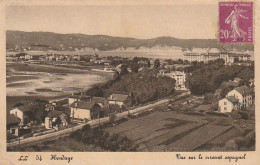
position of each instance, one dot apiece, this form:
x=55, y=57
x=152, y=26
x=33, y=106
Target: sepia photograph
x=130, y=78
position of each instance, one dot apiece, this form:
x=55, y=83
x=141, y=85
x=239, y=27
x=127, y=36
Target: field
x=177, y=131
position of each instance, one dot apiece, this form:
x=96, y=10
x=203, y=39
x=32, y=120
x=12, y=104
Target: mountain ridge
x=19, y=40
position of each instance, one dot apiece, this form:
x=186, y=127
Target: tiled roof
x=242, y=90
x=118, y=97
x=54, y=113
x=98, y=99
x=12, y=119
x=25, y=108
x=83, y=105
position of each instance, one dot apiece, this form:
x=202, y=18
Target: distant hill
x=18, y=40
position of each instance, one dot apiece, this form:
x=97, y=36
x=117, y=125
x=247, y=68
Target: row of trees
x=205, y=78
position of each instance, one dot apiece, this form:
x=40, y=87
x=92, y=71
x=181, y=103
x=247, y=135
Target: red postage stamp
x=236, y=22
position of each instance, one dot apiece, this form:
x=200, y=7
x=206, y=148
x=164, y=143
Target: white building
x=179, y=77
x=205, y=57
x=243, y=95
x=79, y=97
x=226, y=105
x=84, y=110
x=119, y=99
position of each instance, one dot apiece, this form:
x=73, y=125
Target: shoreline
x=12, y=100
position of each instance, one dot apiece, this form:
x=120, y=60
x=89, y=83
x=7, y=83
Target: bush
x=244, y=115
x=250, y=139
x=241, y=142
x=235, y=115
x=231, y=145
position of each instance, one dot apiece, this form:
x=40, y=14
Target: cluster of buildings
x=81, y=109
x=59, y=57
x=237, y=99
x=229, y=58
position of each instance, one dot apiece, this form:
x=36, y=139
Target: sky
x=138, y=21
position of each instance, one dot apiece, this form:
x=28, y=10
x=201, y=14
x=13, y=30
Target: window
x=225, y=108
x=13, y=131
x=225, y=103
x=15, y=113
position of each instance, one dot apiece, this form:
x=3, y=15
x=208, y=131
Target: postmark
x=236, y=22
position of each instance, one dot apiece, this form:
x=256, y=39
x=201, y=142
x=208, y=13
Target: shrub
x=235, y=115
x=231, y=145
x=244, y=115
x=250, y=139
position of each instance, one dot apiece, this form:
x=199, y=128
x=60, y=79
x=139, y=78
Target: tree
x=38, y=112
x=156, y=63
x=236, y=60
x=224, y=92
x=149, y=64
x=112, y=118
x=116, y=76
x=209, y=98
x=123, y=70
x=95, y=91
x=134, y=65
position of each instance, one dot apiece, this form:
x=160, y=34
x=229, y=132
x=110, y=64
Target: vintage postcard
x=129, y=82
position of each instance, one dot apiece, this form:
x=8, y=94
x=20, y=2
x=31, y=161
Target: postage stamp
x=236, y=22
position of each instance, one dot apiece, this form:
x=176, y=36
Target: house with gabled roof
x=226, y=105
x=243, y=94
x=23, y=112
x=103, y=102
x=78, y=97
x=56, y=118
x=84, y=110
x=120, y=100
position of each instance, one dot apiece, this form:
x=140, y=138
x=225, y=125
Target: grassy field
x=177, y=131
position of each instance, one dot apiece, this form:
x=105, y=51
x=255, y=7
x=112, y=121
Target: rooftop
x=12, y=119
x=83, y=104
x=232, y=99
x=118, y=97
x=54, y=113
x=25, y=108
x=99, y=99
x=242, y=90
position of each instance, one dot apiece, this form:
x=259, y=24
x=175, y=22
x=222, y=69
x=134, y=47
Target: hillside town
x=232, y=97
